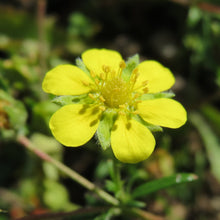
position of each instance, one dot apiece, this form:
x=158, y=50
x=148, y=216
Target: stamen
x=136, y=112
x=113, y=73
x=122, y=106
x=85, y=83
x=106, y=69
x=145, y=90
x=135, y=71
x=97, y=81
x=138, y=101
x=102, y=108
x=122, y=64
x=102, y=76
x=144, y=83
x=102, y=98
x=134, y=77
x=137, y=95
x=91, y=96
x=92, y=74
x=121, y=113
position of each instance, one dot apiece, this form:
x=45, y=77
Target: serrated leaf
x=163, y=183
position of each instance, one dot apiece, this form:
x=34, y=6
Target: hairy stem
x=69, y=172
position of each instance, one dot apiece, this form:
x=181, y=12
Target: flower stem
x=69, y=172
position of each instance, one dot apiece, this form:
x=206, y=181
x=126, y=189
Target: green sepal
x=158, y=95
x=104, y=129
x=152, y=128
x=131, y=64
x=72, y=99
x=82, y=66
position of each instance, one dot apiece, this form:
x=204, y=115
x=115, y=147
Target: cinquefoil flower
x=118, y=100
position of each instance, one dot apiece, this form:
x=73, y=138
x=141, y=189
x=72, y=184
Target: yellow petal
x=131, y=141
x=74, y=125
x=67, y=80
x=158, y=77
x=164, y=112
x=96, y=59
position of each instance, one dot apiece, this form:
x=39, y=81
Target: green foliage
x=30, y=185
x=155, y=185
x=211, y=142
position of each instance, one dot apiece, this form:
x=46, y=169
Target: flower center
x=115, y=92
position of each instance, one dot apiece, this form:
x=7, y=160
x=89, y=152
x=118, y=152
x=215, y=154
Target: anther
x=122, y=106
x=135, y=71
x=102, y=76
x=102, y=108
x=105, y=68
x=145, y=90
x=97, y=81
x=91, y=96
x=85, y=83
x=122, y=64
x=113, y=73
x=136, y=112
x=144, y=83
x=102, y=98
x=92, y=74
x=121, y=113
x=137, y=95
x=138, y=101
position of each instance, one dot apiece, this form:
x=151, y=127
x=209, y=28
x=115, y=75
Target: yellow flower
x=118, y=101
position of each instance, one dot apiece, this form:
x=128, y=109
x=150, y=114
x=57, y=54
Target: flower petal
x=74, y=125
x=131, y=141
x=158, y=77
x=95, y=59
x=67, y=80
x=164, y=112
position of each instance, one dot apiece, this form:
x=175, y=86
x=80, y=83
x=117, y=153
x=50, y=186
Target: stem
x=145, y=215
x=69, y=172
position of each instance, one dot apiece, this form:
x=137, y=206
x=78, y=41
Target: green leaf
x=213, y=115
x=194, y=16
x=210, y=140
x=16, y=112
x=56, y=196
x=155, y=185
x=218, y=77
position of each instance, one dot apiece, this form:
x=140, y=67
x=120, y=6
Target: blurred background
x=36, y=35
